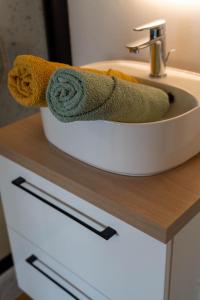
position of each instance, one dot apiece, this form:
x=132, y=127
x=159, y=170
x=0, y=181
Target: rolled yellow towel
x=29, y=77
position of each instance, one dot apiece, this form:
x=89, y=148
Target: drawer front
x=124, y=264
x=43, y=278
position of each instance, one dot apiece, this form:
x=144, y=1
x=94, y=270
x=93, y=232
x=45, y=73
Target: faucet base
x=158, y=75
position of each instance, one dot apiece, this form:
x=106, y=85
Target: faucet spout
x=135, y=47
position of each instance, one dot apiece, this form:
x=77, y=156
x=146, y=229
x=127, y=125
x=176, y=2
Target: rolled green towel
x=73, y=95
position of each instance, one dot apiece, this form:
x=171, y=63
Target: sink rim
x=153, y=79
x=134, y=149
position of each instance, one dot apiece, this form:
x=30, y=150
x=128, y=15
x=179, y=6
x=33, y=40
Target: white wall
x=101, y=28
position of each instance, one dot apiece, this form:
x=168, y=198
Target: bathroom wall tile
x=21, y=32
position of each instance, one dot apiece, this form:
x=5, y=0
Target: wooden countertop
x=158, y=205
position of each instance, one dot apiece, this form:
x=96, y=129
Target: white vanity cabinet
x=66, y=248
x=124, y=264
x=80, y=233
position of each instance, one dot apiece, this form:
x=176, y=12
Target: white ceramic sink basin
x=136, y=149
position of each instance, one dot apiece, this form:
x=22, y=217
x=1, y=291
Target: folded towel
x=28, y=79
x=74, y=95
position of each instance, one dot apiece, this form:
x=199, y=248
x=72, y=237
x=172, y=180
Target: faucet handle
x=157, y=24
x=168, y=54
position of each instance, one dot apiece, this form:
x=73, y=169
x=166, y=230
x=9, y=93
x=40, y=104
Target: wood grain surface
x=158, y=205
x=23, y=297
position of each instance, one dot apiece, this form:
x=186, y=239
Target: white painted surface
x=136, y=149
x=100, y=29
x=185, y=280
x=37, y=285
x=131, y=265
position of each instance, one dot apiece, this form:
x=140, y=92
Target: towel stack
x=29, y=77
x=74, y=93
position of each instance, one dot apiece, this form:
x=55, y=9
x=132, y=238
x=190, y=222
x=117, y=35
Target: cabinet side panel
x=168, y=269
x=185, y=277
x=4, y=244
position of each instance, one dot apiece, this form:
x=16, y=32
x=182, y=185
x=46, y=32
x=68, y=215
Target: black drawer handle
x=106, y=233
x=31, y=260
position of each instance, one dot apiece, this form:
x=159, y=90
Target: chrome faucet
x=157, y=44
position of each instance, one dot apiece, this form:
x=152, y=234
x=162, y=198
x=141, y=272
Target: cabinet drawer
x=43, y=278
x=123, y=264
